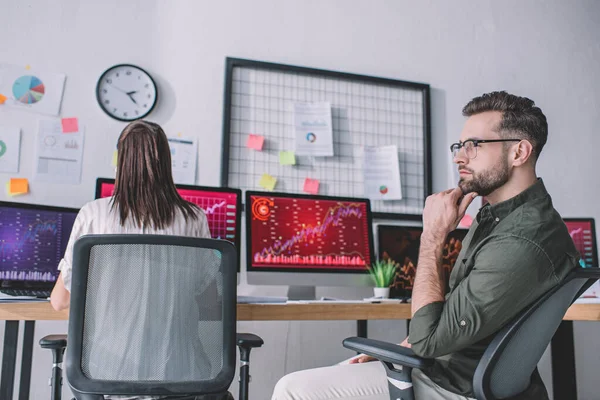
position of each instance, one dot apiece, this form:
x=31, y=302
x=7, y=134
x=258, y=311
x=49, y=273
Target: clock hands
x=129, y=94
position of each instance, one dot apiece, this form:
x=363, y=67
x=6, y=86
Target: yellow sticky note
x=2, y=98
x=114, y=158
x=28, y=67
x=267, y=181
x=287, y=158
x=18, y=186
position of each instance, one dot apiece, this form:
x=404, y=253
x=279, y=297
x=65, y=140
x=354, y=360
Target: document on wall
x=184, y=156
x=313, y=129
x=382, y=173
x=59, y=155
x=10, y=147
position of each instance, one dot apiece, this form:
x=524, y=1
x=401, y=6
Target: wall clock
x=126, y=92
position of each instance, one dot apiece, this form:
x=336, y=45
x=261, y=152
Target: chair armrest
x=54, y=342
x=587, y=273
x=388, y=352
x=248, y=340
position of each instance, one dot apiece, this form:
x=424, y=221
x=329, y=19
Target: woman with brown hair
x=145, y=201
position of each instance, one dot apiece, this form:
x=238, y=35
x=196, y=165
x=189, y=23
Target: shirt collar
x=503, y=209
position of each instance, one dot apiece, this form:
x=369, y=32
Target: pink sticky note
x=255, y=142
x=311, y=186
x=70, y=125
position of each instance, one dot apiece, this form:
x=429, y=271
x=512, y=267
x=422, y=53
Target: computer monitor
x=305, y=241
x=401, y=244
x=583, y=233
x=222, y=206
x=33, y=240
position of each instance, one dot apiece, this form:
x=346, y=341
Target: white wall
x=546, y=50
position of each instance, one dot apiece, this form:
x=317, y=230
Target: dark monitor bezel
x=22, y=284
x=380, y=227
x=251, y=268
x=238, y=214
x=595, y=243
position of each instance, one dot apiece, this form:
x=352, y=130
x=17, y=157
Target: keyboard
x=27, y=292
x=261, y=299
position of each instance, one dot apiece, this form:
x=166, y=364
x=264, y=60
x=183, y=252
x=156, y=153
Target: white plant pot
x=382, y=292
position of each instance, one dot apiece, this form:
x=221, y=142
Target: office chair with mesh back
x=511, y=358
x=152, y=315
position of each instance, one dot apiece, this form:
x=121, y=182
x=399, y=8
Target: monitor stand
x=301, y=293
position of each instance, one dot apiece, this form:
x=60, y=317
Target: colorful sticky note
x=255, y=142
x=18, y=186
x=70, y=125
x=287, y=158
x=311, y=186
x=268, y=182
x=114, y=158
x=28, y=67
x=2, y=98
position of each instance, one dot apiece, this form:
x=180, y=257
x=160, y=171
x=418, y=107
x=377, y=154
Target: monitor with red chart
x=305, y=241
x=400, y=244
x=222, y=206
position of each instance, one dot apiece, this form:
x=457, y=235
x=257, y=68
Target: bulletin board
x=366, y=111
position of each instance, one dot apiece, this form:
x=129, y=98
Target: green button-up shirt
x=514, y=252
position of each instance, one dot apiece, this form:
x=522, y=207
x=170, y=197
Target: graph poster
x=10, y=145
x=184, y=154
x=307, y=233
x=31, y=90
x=59, y=155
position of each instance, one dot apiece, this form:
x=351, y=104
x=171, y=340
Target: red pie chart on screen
x=28, y=89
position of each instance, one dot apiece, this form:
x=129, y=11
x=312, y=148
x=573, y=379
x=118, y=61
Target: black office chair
x=511, y=358
x=152, y=315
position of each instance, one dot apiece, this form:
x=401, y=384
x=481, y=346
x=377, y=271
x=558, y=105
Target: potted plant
x=383, y=272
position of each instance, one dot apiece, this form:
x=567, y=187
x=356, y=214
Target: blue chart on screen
x=32, y=243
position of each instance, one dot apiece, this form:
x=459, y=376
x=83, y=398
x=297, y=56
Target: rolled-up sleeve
x=509, y=273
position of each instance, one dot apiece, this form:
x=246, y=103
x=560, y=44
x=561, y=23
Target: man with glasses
x=517, y=249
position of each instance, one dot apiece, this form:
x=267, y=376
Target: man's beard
x=485, y=182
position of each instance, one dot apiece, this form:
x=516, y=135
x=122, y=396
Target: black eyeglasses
x=471, y=145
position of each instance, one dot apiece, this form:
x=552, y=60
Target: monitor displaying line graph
x=33, y=240
x=297, y=232
x=583, y=233
x=222, y=206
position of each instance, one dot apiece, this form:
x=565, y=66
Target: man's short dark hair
x=520, y=117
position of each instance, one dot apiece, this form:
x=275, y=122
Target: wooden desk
x=12, y=313
x=283, y=312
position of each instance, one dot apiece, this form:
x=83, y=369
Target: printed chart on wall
x=31, y=90
x=306, y=233
x=10, y=143
x=302, y=130
x=59, y=155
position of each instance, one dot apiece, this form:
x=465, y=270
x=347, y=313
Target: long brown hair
x=144, y=187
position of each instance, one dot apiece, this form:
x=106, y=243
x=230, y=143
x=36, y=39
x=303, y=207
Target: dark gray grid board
x=364, y=114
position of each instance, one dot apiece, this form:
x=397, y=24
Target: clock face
x=126, y=92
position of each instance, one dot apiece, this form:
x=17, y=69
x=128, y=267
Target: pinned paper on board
x=268, y=182
x=255, y=142
x=70, y=125
x=287, y=158
x=311, y=186
x=17, y=186
x=59, y=157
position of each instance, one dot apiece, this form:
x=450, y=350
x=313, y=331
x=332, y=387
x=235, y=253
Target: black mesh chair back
x=151, y=315
x=509, y=361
